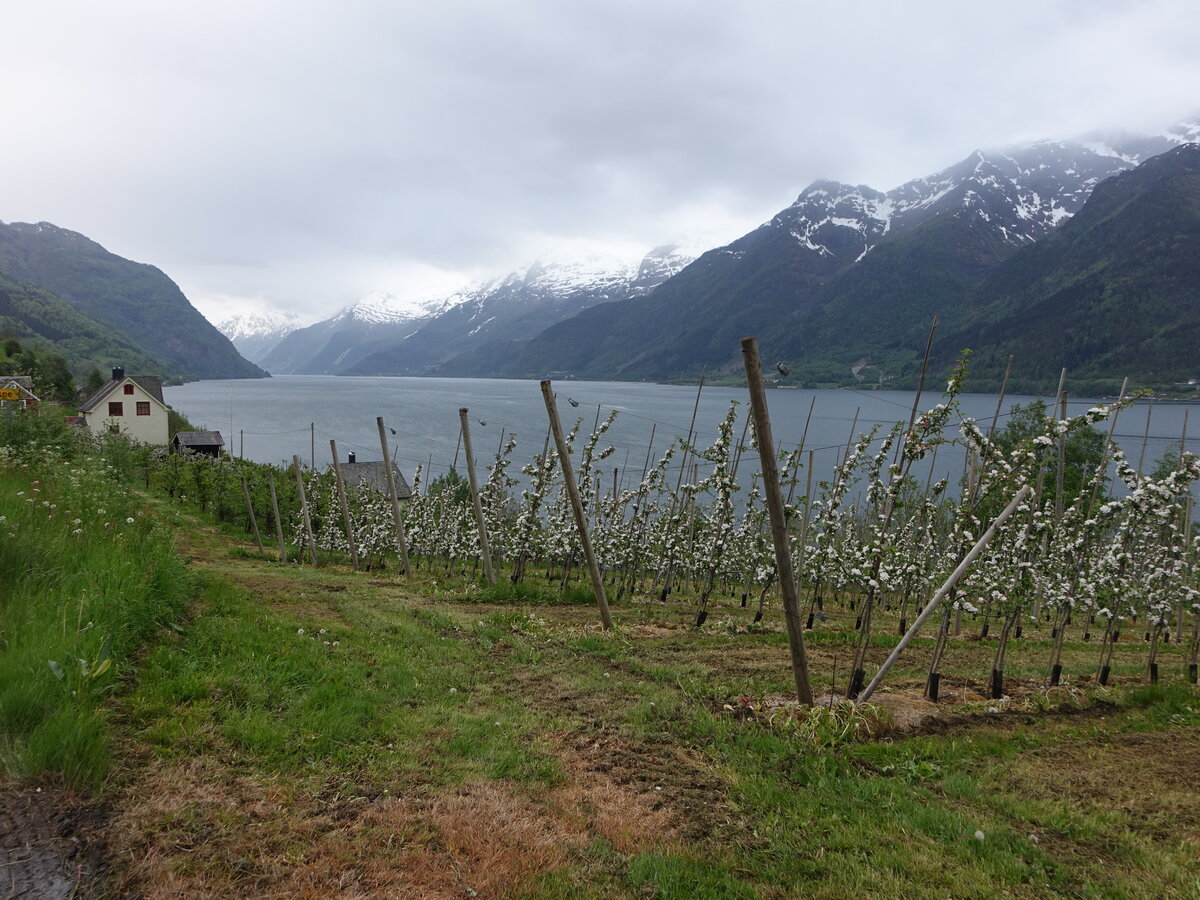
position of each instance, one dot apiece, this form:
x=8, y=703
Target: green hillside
x=37, y=318
x=1114, y=292
x=137, y=300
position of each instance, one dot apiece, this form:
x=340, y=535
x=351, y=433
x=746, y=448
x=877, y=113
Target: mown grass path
x=321, y=733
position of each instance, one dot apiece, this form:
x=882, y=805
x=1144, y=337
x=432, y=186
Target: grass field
x=300, y=732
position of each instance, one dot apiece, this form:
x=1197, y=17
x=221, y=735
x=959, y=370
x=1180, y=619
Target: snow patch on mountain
x=248, y=325
x=385, y=308
x=1022, y=193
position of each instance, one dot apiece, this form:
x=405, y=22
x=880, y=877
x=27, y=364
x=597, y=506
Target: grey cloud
x=293, y=151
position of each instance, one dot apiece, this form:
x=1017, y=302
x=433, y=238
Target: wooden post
x=1145, y=437
x=401, y=543
x=250, y=510
x=949, y=584
x=576, y=504
x=1187, y=543
x=480, y=524
x=912, y=419
x=278, y=522
x=308, y=532
x=778, y=517
x=1061, y=472
x=341, y=489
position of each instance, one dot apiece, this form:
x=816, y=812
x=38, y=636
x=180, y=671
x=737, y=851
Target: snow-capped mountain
x=846, y=273
x=386, y=334
x=1023, y=192
x=256, y=334
x=327, y=346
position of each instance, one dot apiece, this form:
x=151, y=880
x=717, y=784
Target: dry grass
x=198, y=828
x=1148, y=781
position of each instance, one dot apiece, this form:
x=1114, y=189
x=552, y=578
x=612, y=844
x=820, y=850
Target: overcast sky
x=299, y=155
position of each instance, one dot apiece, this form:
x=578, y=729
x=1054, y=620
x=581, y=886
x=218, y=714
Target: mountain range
x=383, y=336
x=67, y=293
x=841, y=286
x=1044, y=252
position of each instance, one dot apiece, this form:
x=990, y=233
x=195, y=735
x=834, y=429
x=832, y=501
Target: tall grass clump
x=86, y=578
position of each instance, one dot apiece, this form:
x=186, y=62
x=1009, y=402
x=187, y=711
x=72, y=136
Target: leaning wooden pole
x=278, y=521
x=585, y=541
x=945, y=589
x=308, y=532
x=253, y=518
x=480, y=523
x=389, y=468
x=341, y=489
x=778, y=517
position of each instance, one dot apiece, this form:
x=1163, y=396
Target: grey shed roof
x=149, y=384
x=199, y=439
x=374, y=476
x=24, y=382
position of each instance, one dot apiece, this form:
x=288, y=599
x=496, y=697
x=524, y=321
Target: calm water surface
x=269, y=420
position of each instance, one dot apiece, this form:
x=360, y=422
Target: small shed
x=373, y=475
x=207, y=442
x=17, y=390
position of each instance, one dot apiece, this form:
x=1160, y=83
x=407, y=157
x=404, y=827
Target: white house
x=128, y=404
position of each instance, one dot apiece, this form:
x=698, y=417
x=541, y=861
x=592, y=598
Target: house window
x=129, y=389
x=143, y=407
x=116, y=409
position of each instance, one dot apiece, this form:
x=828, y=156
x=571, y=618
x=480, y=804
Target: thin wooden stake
x=341, y=489
x=778, y=517
x=912, y=419
x=585, y=540
x=800, y=452
x=480, y=524
x=691, y=431
x=389, y=468
x=1145, y=437
x=250, y=510
x=278, y=523
x=1060, y=474
x=308, y=532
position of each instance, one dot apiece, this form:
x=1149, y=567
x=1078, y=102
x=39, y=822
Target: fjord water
x=270, y=420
